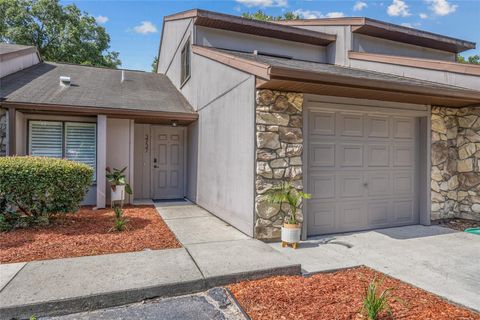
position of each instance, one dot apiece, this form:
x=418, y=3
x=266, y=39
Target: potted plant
x=118, y=183
x=286, y=193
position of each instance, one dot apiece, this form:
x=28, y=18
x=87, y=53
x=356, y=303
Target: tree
x=472, y=59
x=61, y=33
x=260, y=15
x=155, y=64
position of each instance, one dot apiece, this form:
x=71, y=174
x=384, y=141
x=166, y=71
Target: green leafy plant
x=33, y=189
x=116, y=177
x=286, y=192
x=120, y=222
x=376, y=302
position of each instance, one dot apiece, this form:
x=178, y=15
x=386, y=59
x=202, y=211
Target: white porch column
x=101, y=160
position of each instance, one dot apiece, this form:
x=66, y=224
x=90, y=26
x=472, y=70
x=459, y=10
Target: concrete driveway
x=437, y=259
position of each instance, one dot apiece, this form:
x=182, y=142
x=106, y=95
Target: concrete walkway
x=214, y=254
x=440, y=260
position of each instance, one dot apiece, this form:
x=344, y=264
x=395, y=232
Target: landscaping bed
x=459, y=224
x=338, y=295
x=88, y=232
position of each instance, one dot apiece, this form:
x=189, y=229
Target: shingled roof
x=93, y=87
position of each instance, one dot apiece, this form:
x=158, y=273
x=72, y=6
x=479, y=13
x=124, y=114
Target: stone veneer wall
x=279, y=149
x=3, y=132
x=455, y=163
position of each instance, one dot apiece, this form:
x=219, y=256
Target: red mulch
x=87, y=233
x=338, y=295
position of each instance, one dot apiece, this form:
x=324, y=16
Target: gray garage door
x=361, y=170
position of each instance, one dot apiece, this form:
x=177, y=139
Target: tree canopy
x=472, y=59
x=155, y=64
x=61, y=33
x=261, y=15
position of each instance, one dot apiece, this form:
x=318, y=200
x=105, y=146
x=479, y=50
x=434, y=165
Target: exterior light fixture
x=174, y=123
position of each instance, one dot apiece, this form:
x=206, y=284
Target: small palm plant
x=120, y=222
x=374, y=302
x=286, y=192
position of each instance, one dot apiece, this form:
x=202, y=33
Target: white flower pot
x=118, y=194
x=291, y=233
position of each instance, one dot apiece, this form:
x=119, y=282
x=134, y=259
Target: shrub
x=37, y=188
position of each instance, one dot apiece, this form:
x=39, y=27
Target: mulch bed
x=459, y=224
x=88, y=233
x=338, y=295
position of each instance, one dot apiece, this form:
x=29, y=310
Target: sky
x=135, y=26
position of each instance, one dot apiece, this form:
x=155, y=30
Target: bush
x=37, y=187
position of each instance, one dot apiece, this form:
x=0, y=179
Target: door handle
x=155, y=166
x=365, y=184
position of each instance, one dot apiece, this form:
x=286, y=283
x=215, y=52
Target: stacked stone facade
x=279, y=149
x=3, y=132
x=455, y=163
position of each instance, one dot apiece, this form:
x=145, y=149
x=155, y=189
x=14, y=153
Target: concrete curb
x=112, y=299
x=100, y=301
x=223, y=280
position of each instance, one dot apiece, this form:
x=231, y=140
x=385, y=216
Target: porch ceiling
x=319, y=78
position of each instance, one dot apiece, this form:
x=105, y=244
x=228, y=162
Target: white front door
x=167, y=162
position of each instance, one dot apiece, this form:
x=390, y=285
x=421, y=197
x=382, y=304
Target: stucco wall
x=445, y=77
x=279, y=143
x=18, y=63
x=192, y=160
x=3, y=132
x=455, y=163
x=225, y=164
x=224, y=39
x=363, y=43
x=119, y=149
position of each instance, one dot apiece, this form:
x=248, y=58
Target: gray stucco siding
x=225, y=176
x=444, y=77
x=173, y=33
x=363, y=43
x=223, y=39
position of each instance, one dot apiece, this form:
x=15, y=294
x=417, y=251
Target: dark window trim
x=184, y=61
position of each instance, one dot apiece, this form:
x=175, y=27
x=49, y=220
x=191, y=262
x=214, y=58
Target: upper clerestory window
x=185, y=69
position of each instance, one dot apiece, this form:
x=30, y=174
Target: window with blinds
x=81, y=142
x=45, y=139
x=75, y=141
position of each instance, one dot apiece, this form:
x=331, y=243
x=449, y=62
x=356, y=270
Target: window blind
x=80, y=143
x=45, y=139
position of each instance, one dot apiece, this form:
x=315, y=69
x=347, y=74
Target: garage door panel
x=404, y=211
x=322, y=123
x=352, y=216
x=379, y=184
x=350, y=186
x=322, y=217
x=378, y=127
x=322, y=155
x=378, y=155
x=403, y=128
x=350, y=125
x=403, y=183
x=322, y=186
x=403, y=155
x=378, y=213
x=362, y=169
x=350, y=155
